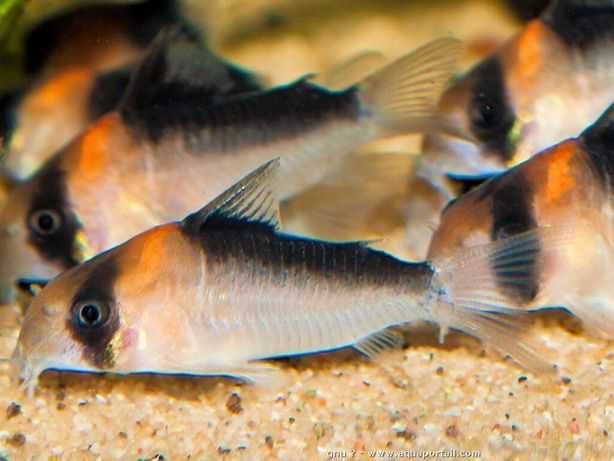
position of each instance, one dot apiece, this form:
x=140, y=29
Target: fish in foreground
x=557, y=206
x=76, y=79
x=169, y=147
x=223, y=289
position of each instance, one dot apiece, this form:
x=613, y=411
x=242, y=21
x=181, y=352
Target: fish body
x=80, y=65
x=520, y=100
x=546, y=84
x=50, y=114
x=559, y=205
x=99, y=37
x=173, y=144
x=224, y=288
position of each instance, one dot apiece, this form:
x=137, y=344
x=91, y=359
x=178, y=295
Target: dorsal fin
x=251, y=201
x=581, y=23
x=598, y=141
x=107, y=91
x=178, y=74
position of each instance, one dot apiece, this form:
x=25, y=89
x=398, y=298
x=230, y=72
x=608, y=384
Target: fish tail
x=402, y=96
x=486, y=290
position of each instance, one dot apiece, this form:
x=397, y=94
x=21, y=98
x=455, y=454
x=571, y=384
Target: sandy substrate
x=423, y=398
x=417, y=400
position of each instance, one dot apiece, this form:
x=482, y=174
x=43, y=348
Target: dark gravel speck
x=452, y=431
x=522, y=379
x=566, y=380
x=234, y=403
x=268, y=440
x=17, y=439
x=439, y=370
x=223, y=450
x=14, y=409
x=407, y=435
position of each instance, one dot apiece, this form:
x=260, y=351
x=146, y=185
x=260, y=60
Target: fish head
x=568, y=182
x=507, y=107
x=47, y=117
x=464, y=222
x=40, y=230
x=111, y=313
x=53, y=220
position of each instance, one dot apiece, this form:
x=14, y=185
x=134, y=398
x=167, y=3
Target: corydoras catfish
x=559, y=208
x=76, y=80
x=169, y=147
x=223, y=289
x=544, y=85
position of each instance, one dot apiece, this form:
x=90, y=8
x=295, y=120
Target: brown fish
x=81, y=64
x=546, y=84
x=223, y=289
x=170, y=146
x=542, y=233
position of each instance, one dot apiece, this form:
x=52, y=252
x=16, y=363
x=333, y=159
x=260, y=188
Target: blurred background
x=283, y=39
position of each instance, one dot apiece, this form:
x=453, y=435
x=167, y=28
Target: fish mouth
x=30, y=285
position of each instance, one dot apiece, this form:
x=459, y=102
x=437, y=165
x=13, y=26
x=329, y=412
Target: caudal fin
x=490, y=289
x=402, y=96
x=352, y=71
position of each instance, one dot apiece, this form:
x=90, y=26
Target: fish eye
x=485, y=115
x=45, y=222
x=91, y=314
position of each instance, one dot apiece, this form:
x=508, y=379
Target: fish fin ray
x=403, y=95
x=261, y=374
x=252, y=200
x=510, y=335
x=374, y=344
x=353, y=70
x=179, y=70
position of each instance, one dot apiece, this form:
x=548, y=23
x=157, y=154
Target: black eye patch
x=52, y=226
x=94, y=316
x=490, y=114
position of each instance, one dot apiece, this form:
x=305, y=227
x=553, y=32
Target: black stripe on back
x=243, y=120
x=99, y=287
x=512, y=214
x=581, y=23
x=256, y=247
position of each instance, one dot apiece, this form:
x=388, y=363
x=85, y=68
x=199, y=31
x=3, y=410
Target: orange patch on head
x=529, y=51
x=59, y=89
x=153, y=250
x=94, y=152
x=559, y=172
